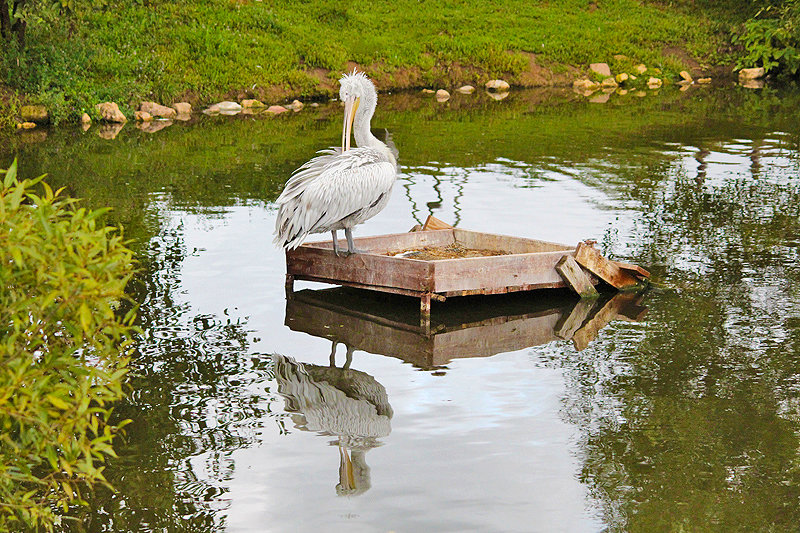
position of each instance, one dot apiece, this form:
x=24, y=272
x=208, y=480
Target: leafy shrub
x=771, y=39
x=63, y=350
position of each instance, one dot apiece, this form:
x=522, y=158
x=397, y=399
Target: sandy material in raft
x=455, y=250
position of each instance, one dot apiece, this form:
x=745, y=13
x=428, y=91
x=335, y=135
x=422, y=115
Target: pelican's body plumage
x=339, y=188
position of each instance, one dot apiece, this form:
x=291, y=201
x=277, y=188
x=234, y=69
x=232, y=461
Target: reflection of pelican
x=337, y=401
x=340, y=188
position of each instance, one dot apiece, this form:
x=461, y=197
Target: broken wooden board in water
x=384, y=324
x=521, y=264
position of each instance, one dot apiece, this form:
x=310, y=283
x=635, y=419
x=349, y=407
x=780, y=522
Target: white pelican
x=341, y=187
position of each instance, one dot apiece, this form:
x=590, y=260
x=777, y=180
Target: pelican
x=340, y=187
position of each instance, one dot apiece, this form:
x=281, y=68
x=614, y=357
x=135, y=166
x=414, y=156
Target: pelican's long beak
x=350, y=108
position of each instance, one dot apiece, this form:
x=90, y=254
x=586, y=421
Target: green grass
x=206, y=50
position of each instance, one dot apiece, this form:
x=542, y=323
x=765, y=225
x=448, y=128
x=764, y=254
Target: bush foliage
x=63, y=349
x=771, y=39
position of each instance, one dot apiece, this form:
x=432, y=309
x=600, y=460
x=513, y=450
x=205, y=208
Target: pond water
x=674, y=410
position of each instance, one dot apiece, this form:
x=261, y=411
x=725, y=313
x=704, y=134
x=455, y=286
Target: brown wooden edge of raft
x=578, y=270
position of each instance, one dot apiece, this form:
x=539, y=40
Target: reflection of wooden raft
x=529, y=264
x=383, y=324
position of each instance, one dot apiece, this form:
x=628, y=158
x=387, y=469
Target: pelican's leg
x=351, y=249
x=332, y=359
x=335, y=243
x=348, y=357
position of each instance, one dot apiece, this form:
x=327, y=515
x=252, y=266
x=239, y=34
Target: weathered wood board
x=608, y=271
x=573, y=275
x=529, y=265
x=524, y=265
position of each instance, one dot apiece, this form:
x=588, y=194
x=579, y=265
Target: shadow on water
x=389, y=325
x=686, y=420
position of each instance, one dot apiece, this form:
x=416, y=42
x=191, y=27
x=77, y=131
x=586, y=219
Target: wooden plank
x=379, y=288
x=504, y=290
x=590, y=258
x=497, y=272
x=364, y=269
x=433, y=223
x=381, y=244
x=574, y=277
x=636, y=270
x=514, y=245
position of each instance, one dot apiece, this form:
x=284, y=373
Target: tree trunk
x=19, y=28
x=5, y=21
x=12, y=25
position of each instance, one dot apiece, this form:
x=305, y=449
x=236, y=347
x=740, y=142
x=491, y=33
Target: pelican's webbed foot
x=351, y=249
x=335, y=243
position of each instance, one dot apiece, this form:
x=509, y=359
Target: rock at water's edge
x=183, y=108
x=158, y=110
x=252, y=103
x=109, y=111
x=751, y=73
x=601, y=68
x=497, y=85
x=34, y=113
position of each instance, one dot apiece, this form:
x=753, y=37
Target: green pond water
x=675, y=410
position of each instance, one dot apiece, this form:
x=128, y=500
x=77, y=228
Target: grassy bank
x=206, y=50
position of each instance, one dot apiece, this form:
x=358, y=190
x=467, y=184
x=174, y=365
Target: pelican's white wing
x=332, y=191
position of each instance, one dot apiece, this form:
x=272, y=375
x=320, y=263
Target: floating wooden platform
x=384, y=324
x=527, y=264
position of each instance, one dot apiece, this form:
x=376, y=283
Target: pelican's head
x=356, y=91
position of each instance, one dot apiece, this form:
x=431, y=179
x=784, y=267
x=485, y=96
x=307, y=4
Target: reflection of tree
x=191, y=406
x=435, y=205
x=687, y=429
x=691, y=422
x=340, y=402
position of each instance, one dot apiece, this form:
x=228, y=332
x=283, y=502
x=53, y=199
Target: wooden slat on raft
x=512, y=245
x=433, y=223
x=527, y=264
x=636, y=270
x=608, y=271
x=495, y=272
x=574, y=276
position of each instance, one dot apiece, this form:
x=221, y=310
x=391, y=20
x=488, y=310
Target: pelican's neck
x=363, y=135
x=361, y=131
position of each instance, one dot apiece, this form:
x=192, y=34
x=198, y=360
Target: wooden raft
x=529, y=264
